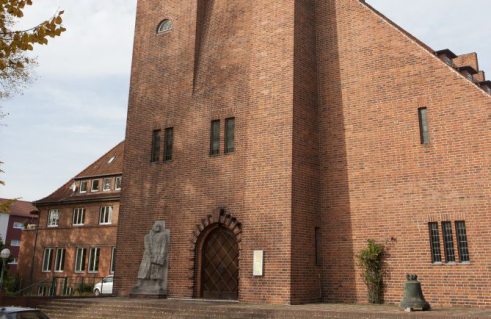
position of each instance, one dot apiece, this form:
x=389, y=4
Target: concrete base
x=149, y=289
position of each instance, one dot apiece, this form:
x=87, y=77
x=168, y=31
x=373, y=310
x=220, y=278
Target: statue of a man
x=154, y=257
x=152, y=275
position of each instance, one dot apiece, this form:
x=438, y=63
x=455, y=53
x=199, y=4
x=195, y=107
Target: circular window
x=165, y=26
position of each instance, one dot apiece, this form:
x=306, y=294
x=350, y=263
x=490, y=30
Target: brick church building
x=295, y=131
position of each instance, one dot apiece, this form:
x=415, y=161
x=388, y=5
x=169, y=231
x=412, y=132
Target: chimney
x=479, y=77
x=469, y=59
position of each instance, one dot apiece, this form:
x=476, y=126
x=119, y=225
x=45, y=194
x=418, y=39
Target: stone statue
x=152, y=275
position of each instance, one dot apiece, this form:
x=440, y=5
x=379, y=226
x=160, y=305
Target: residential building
x=76, y=237
x=11, y=227
x=275, y=138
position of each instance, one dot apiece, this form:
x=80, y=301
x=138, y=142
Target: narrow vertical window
x=168, y=143
x=436, y=255
x=60, y=260
x=106, y=184
x=424, y=129
x=105, y=215
x=81, y=256
x=155, y=146
x=118, y=183
x=83, y=187
x=53, y=218
x=317, y=246
x=462, y=241
x=94, y=260
x=448, y=242
x=47, y=259
x=78, y=216
x=113, y=256
x=215, y=138
x=230, y=135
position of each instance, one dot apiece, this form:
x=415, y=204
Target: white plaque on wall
x=258, y=263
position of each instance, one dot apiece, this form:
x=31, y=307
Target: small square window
x=18, y=225
x=14, y=243
x=118, y=183
x=106, y=184
x=83, y=187
x=95, y=185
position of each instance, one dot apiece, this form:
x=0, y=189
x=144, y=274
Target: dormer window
x=95, y=185
x=107, y=184
x=117, y=185
x=83, y=187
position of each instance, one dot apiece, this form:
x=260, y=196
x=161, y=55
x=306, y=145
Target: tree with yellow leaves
x=15, y=66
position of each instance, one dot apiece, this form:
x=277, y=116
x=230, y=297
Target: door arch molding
x=220, y=218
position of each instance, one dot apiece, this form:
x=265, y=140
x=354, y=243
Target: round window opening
x=165, y=26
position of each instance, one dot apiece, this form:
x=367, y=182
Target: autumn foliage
x=15, y=41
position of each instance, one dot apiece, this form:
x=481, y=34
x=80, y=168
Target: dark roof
x=21, y=208
x=447, y=52
x=469, y=69
x=101, y=167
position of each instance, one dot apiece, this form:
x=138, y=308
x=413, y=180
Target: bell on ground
x=413, y=295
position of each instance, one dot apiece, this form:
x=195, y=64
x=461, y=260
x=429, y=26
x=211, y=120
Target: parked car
x=103, y=288
x=21, y=313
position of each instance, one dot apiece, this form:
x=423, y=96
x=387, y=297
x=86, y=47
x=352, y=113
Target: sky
x=75, y=111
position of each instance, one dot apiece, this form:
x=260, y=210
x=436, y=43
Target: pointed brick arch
x=219, y=218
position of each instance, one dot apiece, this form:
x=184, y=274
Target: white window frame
x=95, y=262
x=16, y=241
x=18, y=225
x=48, y=253
x=85, y=182
x=113, y=254
x=60, y=260
x=51, y=221
x=78, y=266
x=105, y=215
x=78, y=217
x=92, y=190
x=119, y=178
x=14, y=261
x=104, y=189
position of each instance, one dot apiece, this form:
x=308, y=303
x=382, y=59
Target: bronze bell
x=413, y=295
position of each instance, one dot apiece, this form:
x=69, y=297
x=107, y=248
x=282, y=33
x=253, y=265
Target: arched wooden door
x=220, y=265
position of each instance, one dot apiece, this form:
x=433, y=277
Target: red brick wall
x=69, y=237
x=240, y=74
x=327, y=135
x=306, y=281
x=12, y=234
x=378, y=181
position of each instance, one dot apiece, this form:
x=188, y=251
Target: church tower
x=274, y=138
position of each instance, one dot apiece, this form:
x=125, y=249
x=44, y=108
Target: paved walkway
x=327, y=310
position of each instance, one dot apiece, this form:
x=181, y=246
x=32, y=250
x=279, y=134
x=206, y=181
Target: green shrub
x=370, y=260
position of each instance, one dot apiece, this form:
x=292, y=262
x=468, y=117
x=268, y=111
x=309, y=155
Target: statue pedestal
x=149, y=289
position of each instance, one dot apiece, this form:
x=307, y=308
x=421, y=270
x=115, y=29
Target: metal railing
x=67, y=286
